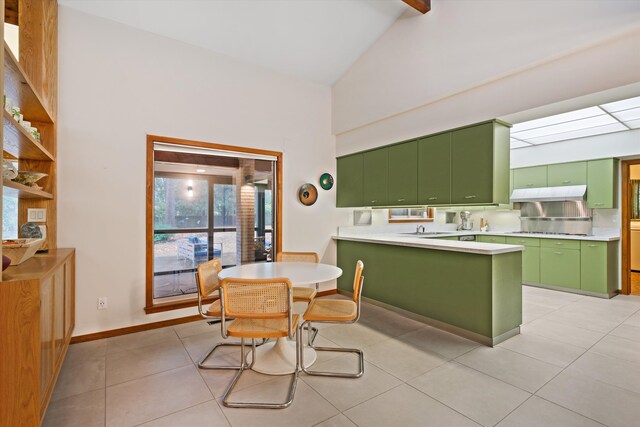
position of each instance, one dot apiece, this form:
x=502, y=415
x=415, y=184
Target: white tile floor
x=576, y=363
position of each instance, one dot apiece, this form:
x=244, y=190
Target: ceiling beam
x=422, y=6
x=11, y=12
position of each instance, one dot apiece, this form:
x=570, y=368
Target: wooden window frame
x=150, y=307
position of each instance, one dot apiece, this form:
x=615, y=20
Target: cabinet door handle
x=401, y=200
x=520, y=241
x=566, y=182
x=593, y=246
x=373, y=201
x=432, y=198
x=598, y=204
x=558, y=253
x=470, y=197
x=559, y=244
x=528, y=185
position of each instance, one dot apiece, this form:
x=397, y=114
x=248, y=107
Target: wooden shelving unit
x=22, y=92
x=24, y=191
x=19, y=144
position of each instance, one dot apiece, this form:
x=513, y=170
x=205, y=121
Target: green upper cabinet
x=434, y=170
x=480, y=164
x=403, y=174
x=567, y=174
x=376, y=178
x=350, y=181
x=602, y=180
x=532, y=177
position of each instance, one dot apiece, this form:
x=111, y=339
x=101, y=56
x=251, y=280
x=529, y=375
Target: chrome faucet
x=419, y=229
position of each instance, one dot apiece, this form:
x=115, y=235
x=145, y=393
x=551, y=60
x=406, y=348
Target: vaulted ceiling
x=315, y=40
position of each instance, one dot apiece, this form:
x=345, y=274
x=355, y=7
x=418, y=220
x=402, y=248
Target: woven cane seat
x=302, y=294
x=262, y=328
x=331, y=310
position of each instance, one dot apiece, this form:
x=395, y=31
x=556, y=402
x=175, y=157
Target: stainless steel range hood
x=549, y=194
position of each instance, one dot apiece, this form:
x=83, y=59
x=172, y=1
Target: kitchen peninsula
x=472, y=289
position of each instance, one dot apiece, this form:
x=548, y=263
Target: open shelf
x=23, y=191
x=20, y=144
x=20, y=90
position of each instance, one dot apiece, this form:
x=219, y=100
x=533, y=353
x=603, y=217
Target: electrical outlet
x=102, y=303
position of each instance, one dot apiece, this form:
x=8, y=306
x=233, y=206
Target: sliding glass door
x=208, y=207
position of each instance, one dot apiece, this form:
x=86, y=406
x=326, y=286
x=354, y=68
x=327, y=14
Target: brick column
x=245, y=213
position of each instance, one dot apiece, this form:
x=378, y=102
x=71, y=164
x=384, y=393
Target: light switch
x=37, y=215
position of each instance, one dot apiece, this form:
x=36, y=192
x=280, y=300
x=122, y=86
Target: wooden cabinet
x=602, y=183
x=376, y=169
x=480, y=165
x=567, y=174
x=350, y=183
x=402, y=187
x=36, y=320
x=532, y=177
x=434, y=170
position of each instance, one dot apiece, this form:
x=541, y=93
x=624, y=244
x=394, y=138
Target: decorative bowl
x=9, y=170
x=28, y=178
x=20, y=250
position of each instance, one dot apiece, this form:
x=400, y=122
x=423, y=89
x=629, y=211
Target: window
x=206, y=202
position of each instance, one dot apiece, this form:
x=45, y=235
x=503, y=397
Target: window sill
x=175, y=305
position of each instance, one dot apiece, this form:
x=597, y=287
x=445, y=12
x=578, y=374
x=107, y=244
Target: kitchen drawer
x=491, y=239
x=525, y=241
x=560, y=267
x=560, y=243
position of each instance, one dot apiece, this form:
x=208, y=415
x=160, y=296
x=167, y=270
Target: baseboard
x=132, y=329
x=325, y=293
x=154, y=325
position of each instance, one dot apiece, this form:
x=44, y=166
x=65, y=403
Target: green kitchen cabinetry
x=598, y=267
x=350, y=181
x=403, y=174
x=491, y=239
x=530, y=257
x=567, y=174
x=376, y=168
x=602, y=183
x=531, y=177
x=560, y=267
x=480, y=164
x=434, y=169
x=477, y=293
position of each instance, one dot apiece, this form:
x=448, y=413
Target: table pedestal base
x=280, y=358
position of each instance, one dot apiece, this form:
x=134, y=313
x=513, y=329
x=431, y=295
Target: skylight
x=601, y=119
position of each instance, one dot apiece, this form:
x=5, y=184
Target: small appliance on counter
x=465, y=221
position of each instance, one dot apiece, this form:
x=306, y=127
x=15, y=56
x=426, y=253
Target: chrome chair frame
x=357, y=351
x=211, y=320
x=243, y=363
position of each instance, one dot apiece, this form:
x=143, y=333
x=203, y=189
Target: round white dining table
x=279, y=358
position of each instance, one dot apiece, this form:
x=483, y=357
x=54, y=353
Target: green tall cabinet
x=402, y=188
x=434, y=169
x=376, y=177
x=602, y=181
x=350, y=182
x=480, y=164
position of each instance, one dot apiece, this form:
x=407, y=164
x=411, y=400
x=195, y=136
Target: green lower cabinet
x=531, y=265
x=560, y=267
x=598, y=269
x=491, y=239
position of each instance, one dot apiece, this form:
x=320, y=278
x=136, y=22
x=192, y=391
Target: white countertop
x=434, y=243
x=533, y=236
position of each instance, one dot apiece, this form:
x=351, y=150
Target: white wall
x=469, y=61
x=117, y=85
